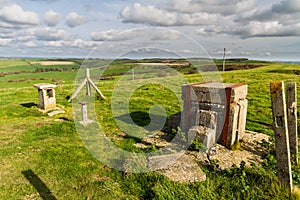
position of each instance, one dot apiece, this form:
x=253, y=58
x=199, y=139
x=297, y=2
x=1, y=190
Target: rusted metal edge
x=236, y=85
x=225, y=129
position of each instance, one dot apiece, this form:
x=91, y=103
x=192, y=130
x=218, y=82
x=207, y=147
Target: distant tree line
x=50, y=69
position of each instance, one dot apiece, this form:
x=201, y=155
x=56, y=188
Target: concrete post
x=84, y=110
x=291, y=101
x=281, y=133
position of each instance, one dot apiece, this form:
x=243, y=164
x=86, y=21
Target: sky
x=255, y=29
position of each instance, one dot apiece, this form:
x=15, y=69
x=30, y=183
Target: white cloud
x=270, y=29
x=158, y=16
x=222, y=7
x=48, y=34
x=241, y=18
x=52, y=18
x=30, y=44
x=112, y=35
x=254, y=29
x=163, y=34
x=147, y=14
x=81, y=43
x=13, y=16
x=54, y=43
x=25, y=38
x=286, y=12
x=73, y=19
x=77, y=43
x=119, y=35
x=4, y=42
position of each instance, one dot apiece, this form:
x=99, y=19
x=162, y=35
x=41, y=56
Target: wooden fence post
x=291, y=102
x=281, y=133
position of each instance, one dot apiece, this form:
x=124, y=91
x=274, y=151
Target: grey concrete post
x=281, y=133
x=84, y=111
x=291, y=101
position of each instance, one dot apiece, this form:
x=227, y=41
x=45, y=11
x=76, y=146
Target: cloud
x=48, y=34
x=4, y=42
x=121, y=35
x=77, y=43
x=7, y=34
x=52, y=18
x=112, y=35
x=13, y=16
x=163, y=34
x=158, y=16
x=30, y=44
x=73, y=19
x=222, y=7
x=255, y=29
x=286, y=12
x=24, y=38
x=239, y=18
x=287, y=6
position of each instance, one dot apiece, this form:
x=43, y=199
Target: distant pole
x=133, y=74
x=224, y=59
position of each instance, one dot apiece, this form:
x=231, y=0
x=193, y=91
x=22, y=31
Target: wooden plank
x=78, y=89
x=291, y=101
x=88, y=86
x=96, y=89
x=281, y=133
x=88, y=89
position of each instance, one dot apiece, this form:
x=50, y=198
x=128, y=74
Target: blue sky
x=265, y=29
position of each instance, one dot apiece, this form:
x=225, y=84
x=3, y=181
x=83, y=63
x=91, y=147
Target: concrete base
x=86, y=122
x=202, y=134
x=55, y=112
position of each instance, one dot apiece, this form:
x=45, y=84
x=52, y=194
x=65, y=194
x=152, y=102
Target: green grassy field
x=42, y=157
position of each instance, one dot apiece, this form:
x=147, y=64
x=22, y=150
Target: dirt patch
x=49, y=63
x=183, y=170
x=250, y=152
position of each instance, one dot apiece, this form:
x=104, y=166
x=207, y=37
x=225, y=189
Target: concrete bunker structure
x=47, y=100
x=214, y=112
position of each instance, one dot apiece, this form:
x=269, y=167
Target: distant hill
x=292, y=62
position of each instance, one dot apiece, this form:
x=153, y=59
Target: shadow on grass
x=29, y=105
x=66, y=119
x=39, y=185
x=143, y=119
x=267, y=125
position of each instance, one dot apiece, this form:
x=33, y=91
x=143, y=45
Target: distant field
x=7, y=62
x=52, y=63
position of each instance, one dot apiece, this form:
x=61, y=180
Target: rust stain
x=276, y=88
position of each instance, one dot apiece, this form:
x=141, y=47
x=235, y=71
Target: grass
x=41, y=154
